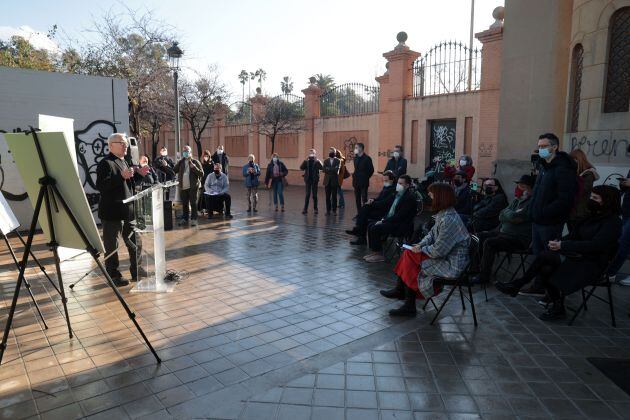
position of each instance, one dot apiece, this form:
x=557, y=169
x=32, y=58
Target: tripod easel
x=48, y=196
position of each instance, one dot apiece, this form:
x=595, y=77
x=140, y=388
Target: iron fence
x=297, y=101
x=349, y=99
x=448, y=67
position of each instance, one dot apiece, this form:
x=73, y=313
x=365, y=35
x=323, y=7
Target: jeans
x=216, y=202
x=311, y=189
x=331, y=198
x=111, y=230
x=492, y=245
x=278, y=192
x=360, y=196
x=341, y=200
x=623, y=250
x=542, y=234
x=252, y=197
x=189, y=203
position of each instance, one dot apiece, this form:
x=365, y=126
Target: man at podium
x=114, y=180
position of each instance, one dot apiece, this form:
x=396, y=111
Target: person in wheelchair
x=578, y=259
x=374, y=209
x=443, y=252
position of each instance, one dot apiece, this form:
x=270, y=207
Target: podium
x=148, y=208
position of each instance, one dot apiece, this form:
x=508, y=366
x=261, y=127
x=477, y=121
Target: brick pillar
x=311, y=111
x=219, y=121
x=396, y=85
x=489, y=93
x=259, y=144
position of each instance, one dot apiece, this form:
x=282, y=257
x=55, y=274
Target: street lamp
x=174, y=54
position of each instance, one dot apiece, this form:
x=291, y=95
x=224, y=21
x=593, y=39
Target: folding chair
x=457, y=283
x=604, y=281
x=522, y=254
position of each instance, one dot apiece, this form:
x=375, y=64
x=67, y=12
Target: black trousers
x=377, y=234
x=493, y=243
x=543, y=267
x=367, y=213
x=331, y=197
x=311, y=189
x=216, y=202
x=111, y=230
x=189, y=202
x=360, y=196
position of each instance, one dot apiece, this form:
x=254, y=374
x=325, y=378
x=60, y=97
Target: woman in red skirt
x=442, y=253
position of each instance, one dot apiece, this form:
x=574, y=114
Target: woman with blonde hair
x=586, y=177
x=343, y=174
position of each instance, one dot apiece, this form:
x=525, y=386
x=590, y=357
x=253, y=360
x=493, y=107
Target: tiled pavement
x=280, y=318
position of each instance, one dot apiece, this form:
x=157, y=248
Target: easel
x=49, y=195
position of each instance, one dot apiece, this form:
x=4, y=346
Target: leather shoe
x=507, y=288
x=394, y=293
x=120, y=282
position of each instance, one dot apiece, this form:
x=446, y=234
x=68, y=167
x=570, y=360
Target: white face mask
x=312, y=155
x=356, y=150
x=219, y=152
x=396, y=154
x=163, y=153
x=387, y=184
x=274, y=160
x=463, y=162
x=400, y=188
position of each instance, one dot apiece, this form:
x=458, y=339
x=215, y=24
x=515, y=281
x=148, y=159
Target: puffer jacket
x=555, y=190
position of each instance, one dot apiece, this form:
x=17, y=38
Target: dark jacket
x=555, y=190
x=269, y=175
x=114, y=189
x=625, y=197
x=311, y=175
x=589, y=247
x=384, y=199
x=195, y=172
x=398, y=167
x=516, y=220
x=223, y=160
x=363, y=170
x=164, y=167
x=464, y=203
x=208, y=168
x=331, y=172
x=485, y=215
x=146, y=181
x=404, y=213
x=585, y=183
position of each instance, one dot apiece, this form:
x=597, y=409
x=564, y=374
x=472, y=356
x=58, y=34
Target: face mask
x=216, y=171
x=387, y=184
x=544, y=153
x=356, y=151
x=311, y=156
x=251, y=162
x=219, y=152
x=462, y=162
x=458, y=182
x=524, y=194
x=163, y=153
x=205, y=158
x=488, y=190
x=400, y=188
x=275, y=160
x=331, y=154
x=186, y=155
x=396, y=155
x=594, y=206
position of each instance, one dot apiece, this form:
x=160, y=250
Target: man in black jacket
x=624, y=239
x=485, y=214
x=311, y=167
x=164, y=166
x=114, y=180
x=464, y=204
x=331, y=180
x=397, y=164
x=374, y=209
x=363, y=170
x=398, y=220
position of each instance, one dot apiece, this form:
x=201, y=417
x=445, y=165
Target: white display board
x=60, y=167
x=8, y=221
x=52, y=124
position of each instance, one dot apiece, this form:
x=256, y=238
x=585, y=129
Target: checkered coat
x=447, y=245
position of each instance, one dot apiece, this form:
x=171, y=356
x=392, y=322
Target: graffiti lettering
x=603, y=147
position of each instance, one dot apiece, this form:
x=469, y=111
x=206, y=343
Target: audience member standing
x=221, y=157
x=150, y=178
x=311, y=167
x=624, y=239
x=331, y=180
x=251, y=172
x=397, y=164
x=343, y=174
x=164, y=166
x=587, y=175
x=207, y=166
x=216, y=189
x=189, y=173
x=275, y=179
x=363, y=170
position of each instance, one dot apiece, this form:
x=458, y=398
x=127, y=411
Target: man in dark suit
x=331, y=180
x=311, y=167
x=363, y=170
x=114, y=180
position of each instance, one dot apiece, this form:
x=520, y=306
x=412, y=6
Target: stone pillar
x=219, y=121
x=489, y=93
x=258, y=107
x=396, y=86
x=311, y=111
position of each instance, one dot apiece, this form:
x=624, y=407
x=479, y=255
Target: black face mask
x=489, y=190
x=458, y=182
x=217, y=172
x=331, y=154
x=594, y=206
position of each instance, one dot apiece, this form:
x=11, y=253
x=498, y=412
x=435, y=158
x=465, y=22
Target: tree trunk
x=198, y=143
x=272, y=140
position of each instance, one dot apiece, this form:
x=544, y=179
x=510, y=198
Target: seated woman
x=465, y=165
x=580, y=258
x=442, y=253
x=485, y=214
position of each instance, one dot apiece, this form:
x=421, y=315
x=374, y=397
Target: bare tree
x=157, y=111
x=200, y=101
x=278, y=116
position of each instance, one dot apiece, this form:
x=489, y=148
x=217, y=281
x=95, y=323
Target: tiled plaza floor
x=280, y=318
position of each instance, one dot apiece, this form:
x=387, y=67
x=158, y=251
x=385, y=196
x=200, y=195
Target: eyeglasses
x=121, y=142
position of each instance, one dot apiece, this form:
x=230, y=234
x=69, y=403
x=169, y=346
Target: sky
x=295, y=38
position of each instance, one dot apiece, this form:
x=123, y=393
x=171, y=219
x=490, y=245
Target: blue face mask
x=186, y=154
x=544, y=152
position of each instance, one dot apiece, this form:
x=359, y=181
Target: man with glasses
x=114, y=180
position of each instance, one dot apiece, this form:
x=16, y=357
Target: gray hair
x=187, y=147
x=112, y=137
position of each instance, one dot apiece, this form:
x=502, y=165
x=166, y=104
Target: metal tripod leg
x=39, y=264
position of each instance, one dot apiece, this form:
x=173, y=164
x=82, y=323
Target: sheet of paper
x=409, y=247
x=8, y=221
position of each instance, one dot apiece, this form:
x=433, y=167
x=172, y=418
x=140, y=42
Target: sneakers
x=193, y=222
x=533, y=291
x=375, y=258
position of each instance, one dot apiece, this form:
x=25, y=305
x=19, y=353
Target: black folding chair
x=604, y=281
x=522, y=254
x=457, y=283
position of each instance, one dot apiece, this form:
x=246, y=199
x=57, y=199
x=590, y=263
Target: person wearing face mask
x=624, y=240
x=398, y=221
x=374, y=209
x=216, y=190
x=331, y=180
x=221, y=157
x=397, y=164
x=251, y=172
x=208, y=167
x=485, y=215
x=189, y=173
x=311, y=167
x=363, y=170
x=553, y=197
x=149, y=178
x=464, y=204
x=343, y=174
x=464, y=164
x=275, y=179
x=586, y=177
x=164, y=165
x=515, y=231
x=578, y=259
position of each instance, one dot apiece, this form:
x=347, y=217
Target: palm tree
x=286, y=85
x=243, y=76
x=324, y=81
x=261, y=75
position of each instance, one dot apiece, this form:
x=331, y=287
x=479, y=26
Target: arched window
x=576, y=88
x=618, y=77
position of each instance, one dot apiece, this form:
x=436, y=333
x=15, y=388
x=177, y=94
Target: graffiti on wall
x=602, y=148
x=348, y=147
x=442, y=143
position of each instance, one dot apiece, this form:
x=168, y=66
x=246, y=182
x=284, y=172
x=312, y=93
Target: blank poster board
x=8, y=221
x=61, y=167
x=50, y=123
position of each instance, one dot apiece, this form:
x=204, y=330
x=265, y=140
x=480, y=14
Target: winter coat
x=464, y=204
x=384, y=199
x=363, y=170
x=485, y=215
x=589, y=247
x=331, y=172
x=269, y=175
x=342, y=171
x=114, y=189
x=397, y=166
x=450, y=171
x=208, y=168
x=216, y=186
x=195, y=172
x=311, y=176
x=447, y=245
x=223, y=160
x=555, y=190
x=516, y=220
x=585, y=184
x=146, y=181
x=164, y=167
x=251, y=179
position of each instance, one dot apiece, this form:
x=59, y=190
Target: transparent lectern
x=148, y=207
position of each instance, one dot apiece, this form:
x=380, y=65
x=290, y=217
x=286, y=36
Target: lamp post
x=174, y=54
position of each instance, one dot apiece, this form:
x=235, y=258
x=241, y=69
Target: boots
x=409, y=307
x=398, y=292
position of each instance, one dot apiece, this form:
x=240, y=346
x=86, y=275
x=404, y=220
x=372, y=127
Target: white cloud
x=38, y=39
